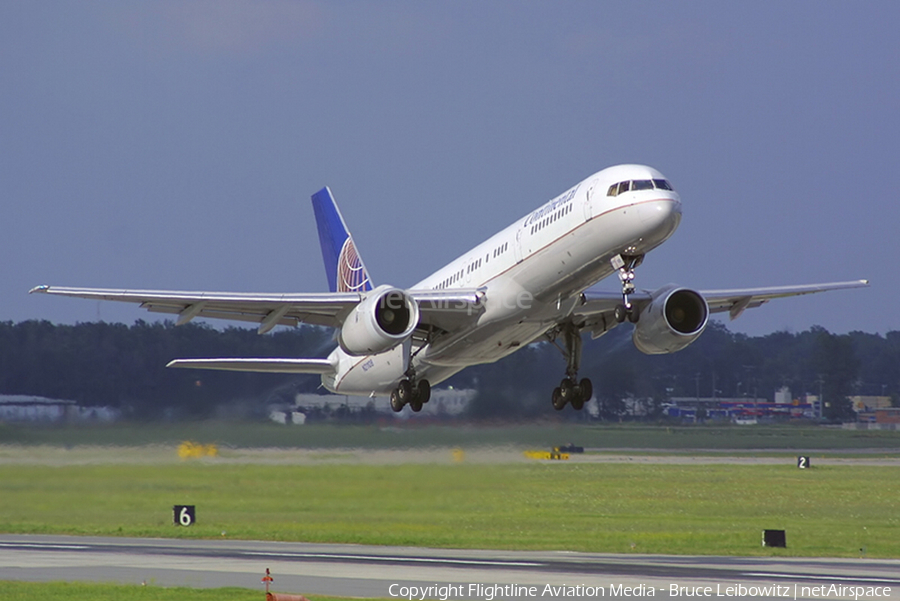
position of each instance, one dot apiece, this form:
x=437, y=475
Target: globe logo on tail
x=352, y=275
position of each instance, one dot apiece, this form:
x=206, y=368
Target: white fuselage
x=532, y=274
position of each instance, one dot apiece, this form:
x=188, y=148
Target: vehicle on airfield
x=527, y=283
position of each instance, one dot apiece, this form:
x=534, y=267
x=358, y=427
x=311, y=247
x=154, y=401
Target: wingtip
x=41, y=288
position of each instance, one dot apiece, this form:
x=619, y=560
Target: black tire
x=634, y=315
x=567, y=389
x=577, y=401
x=415, y=405
x=396, y=403
x=423, y=391
x=558, y=402
x=620, y=313
x=587, y=389
x=405, y=391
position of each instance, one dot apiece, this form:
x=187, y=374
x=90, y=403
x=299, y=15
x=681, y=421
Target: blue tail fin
x=343, y=265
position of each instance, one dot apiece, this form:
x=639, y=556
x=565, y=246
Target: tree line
x=720, y=363
x=111, y=364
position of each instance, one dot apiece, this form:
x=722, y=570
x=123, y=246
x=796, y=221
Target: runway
x=392, y=572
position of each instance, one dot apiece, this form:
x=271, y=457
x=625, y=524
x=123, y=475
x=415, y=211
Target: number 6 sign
x=184, y=515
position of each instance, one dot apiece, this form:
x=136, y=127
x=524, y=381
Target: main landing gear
x=578, y=392
x=625, y=265
x=410, y=391
x=570, y=389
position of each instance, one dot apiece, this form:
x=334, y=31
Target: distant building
x=875, y=410
x=862, y=404
x=745, y=410
x=783, y=395
x=443, y=402
x=28, y=408
x=887, y=415
x=448, y=401
x=726, y=409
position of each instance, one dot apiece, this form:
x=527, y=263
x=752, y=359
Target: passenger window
x=642, y=184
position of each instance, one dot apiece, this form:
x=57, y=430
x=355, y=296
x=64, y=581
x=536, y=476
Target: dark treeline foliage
x=124, y=366
x=733, y=365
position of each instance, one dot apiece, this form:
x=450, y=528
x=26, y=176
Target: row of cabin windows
x=639, y=184
x=472, y=267
x=451, y=280
x=559, y=213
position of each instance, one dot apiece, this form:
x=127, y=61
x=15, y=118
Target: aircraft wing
x=597, y=308
x=736, y=301
x=438, y=308
x=266, y=365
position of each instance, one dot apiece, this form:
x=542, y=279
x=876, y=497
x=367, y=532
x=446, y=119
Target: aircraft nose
x=661, y=213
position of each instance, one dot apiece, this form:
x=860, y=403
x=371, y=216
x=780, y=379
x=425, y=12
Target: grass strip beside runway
x=76, y=591
x=411, y=436
x=841, y=511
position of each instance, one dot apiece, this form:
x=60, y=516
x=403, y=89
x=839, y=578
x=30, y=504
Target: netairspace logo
x=496, y=592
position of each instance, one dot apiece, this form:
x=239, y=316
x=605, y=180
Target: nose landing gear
x=625, y=265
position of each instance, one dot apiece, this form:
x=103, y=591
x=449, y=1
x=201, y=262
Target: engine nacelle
x=674, y=319
x=384, y=319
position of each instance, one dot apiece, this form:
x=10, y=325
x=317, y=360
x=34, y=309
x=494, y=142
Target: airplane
x=528, y=283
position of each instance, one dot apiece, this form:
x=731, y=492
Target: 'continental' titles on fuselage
x=552, y=205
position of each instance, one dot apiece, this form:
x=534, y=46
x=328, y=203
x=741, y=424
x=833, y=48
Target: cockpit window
x=642, y=184
x=639, y=184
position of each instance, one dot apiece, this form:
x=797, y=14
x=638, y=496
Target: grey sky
x=175, y=145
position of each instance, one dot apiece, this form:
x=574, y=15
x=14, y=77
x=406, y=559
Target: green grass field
x=642, y=508
x=393, y=434
x=73, y=591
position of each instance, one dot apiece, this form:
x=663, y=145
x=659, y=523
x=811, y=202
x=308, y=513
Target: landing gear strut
x=570, y=390
x=625, y=265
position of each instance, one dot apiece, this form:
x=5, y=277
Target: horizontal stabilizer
x=273, y=365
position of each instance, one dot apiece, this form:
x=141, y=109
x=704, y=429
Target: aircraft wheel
x=567, y=389
x=415, y=405
x=577, y=401
x=396, y=403
x=620, y=314
x=423, y=391
x=558, y=401
x=404, y=391
x=633, y=316
x=587, y=389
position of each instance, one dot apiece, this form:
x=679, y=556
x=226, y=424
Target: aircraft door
x=589, y=201
x=517, y=247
